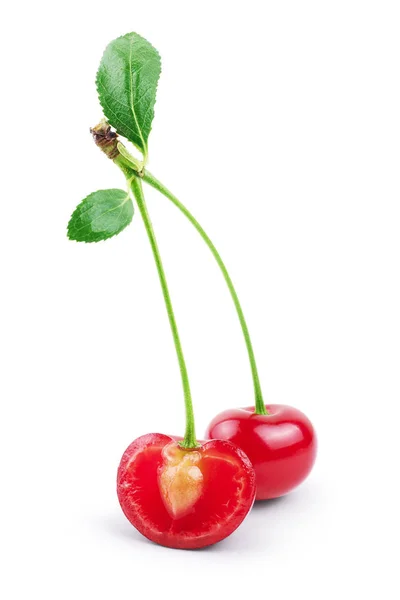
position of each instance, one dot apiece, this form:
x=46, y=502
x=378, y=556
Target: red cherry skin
x=282, y=445
x=185, y=498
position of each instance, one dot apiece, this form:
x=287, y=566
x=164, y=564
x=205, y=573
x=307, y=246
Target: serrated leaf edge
x=70, y=229
x=143, y=150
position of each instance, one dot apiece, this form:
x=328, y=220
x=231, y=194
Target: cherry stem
x=260, y=408
x=189, y=440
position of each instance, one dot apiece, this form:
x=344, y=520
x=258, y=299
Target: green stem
x=189, y=440
x=259, y=402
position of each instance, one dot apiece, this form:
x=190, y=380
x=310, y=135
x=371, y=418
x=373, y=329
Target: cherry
x=185, y=498
x=281, y=445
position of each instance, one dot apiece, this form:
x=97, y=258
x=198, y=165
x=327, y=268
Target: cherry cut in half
x=281, y=445
x=185, y=498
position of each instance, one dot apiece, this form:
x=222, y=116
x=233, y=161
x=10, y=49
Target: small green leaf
x=100, y=216
x=127, y=84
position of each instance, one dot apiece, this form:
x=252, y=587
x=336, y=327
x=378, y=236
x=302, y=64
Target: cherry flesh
x=185, y=498
x=281, y=445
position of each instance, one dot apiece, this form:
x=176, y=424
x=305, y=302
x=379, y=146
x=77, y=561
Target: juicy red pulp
x=185, y=498
x=281, y=446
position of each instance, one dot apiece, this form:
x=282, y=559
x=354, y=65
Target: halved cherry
x=185, y=498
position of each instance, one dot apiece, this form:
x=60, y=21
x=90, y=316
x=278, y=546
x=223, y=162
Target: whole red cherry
x=185, y=498
x=281, y=445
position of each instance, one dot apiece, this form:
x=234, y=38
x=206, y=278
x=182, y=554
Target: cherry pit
x=183, y=492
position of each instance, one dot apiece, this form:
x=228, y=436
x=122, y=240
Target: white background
x=278, y=124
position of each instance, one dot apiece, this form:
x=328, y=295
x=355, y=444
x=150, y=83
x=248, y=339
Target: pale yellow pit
x=180, y=480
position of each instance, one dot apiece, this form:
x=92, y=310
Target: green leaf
x=100, y=216
x=127, y=84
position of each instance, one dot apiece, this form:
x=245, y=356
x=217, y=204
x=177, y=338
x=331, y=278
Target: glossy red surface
x=282, y=445
x=182, y=505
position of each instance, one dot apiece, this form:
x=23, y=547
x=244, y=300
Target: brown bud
x=105, y=139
